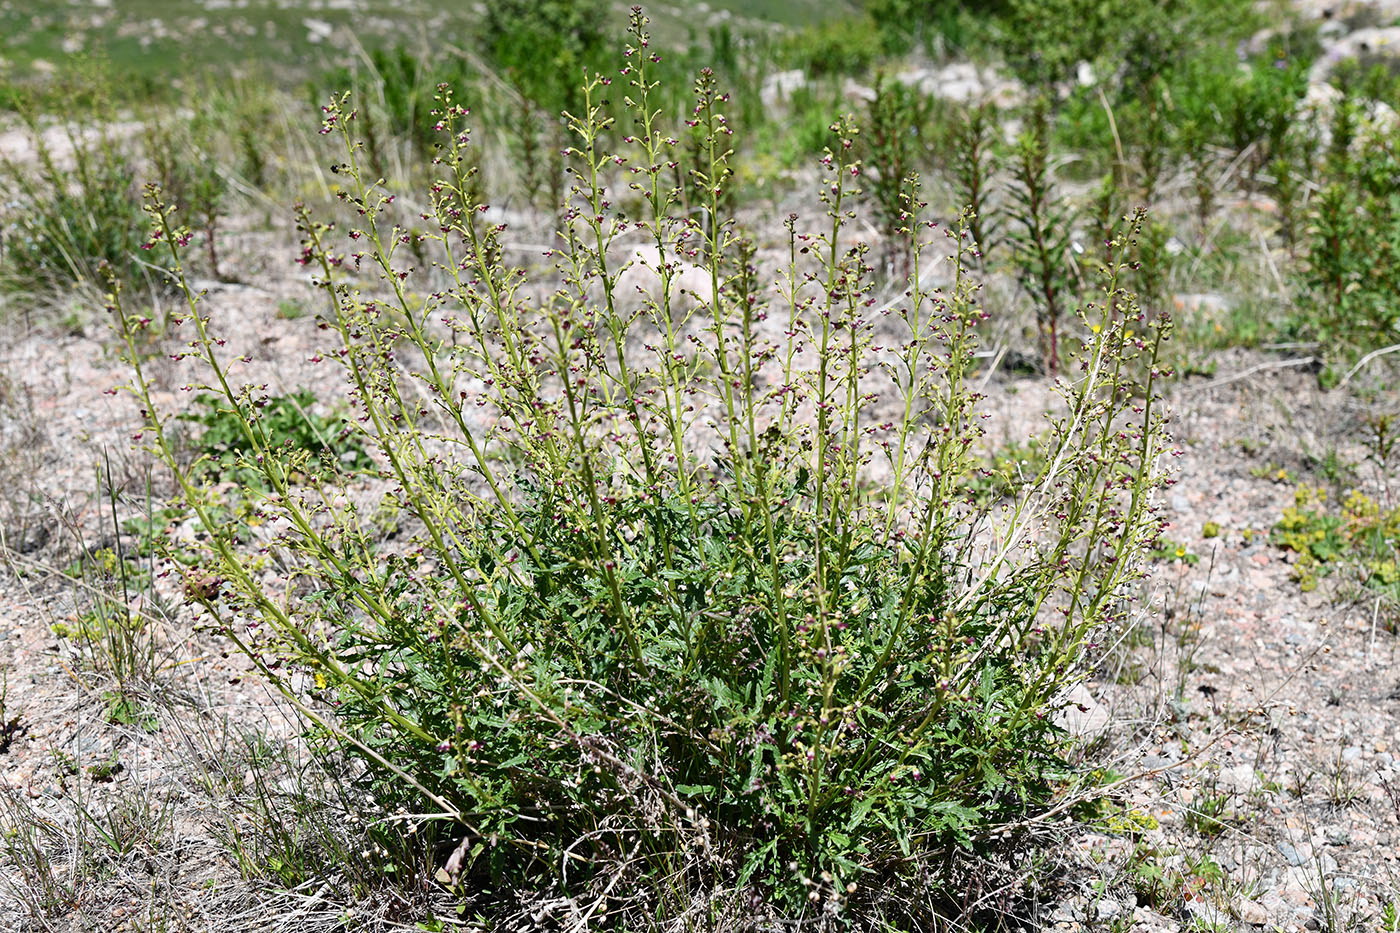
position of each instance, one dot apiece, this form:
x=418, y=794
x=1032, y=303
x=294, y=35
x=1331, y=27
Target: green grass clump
x=839, y=47
x=680, y=614
x=395, y=89
x=1130, y=42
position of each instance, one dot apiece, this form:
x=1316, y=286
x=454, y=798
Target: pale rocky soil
x=1290, y=701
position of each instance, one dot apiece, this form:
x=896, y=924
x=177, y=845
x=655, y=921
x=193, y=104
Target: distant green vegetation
x=155, y=39
x=159, y=43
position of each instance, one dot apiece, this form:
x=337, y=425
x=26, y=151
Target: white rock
x=1252, y=913
x=1365, y=44
x=1298, y=855
x=780, y=86
x=963, y=83
x=1320, y=103
x=1083, y=717
x=1240, y=779
x=317, y=30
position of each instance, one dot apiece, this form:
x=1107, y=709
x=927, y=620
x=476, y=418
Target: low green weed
x=128, y=710
x=1207, y=812
x=148, y=530
x=1273, y=472
x=1151, y=881
x=1170, y=551
x=655, y=628
x=104, y=570
x=1358, y=535
x=232, y=437
x=291, y=310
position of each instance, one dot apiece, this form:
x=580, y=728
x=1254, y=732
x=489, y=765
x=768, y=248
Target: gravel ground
x=1289, y=714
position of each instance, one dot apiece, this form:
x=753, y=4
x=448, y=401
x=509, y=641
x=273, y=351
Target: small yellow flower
x=320, y=681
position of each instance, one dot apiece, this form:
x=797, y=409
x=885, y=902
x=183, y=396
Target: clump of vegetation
x=72, y=212
x=62, y=224
x=837, y=47
x=658, y=637
x=394, y=91
x=235, y=431
x=1008, y=469
x=1358, y=536
x=543, y=45
x=1353, y=258
x=186, y=165
x=1041, y=237
x=894, y=134
x=1171, y=551
x=113, y=624
x=972, y=169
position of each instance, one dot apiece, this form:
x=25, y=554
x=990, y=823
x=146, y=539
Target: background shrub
x=544, y=45
x=1351, y=274
x=840, y=47
x=67, y=215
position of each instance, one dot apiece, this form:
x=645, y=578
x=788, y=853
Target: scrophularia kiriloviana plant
x=691, y=594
